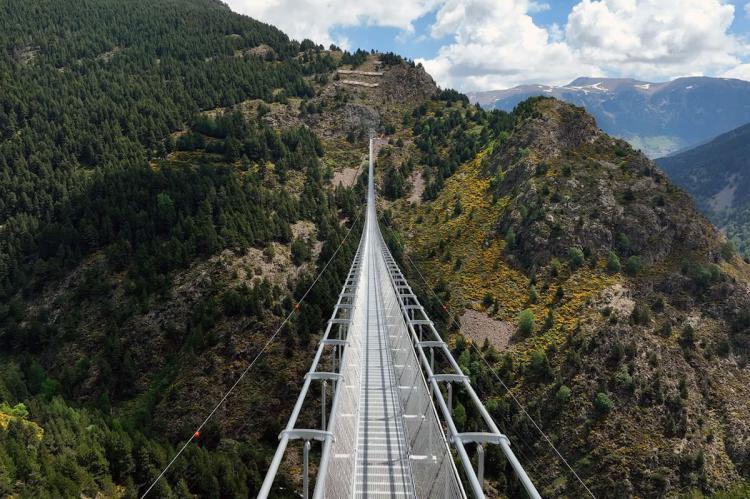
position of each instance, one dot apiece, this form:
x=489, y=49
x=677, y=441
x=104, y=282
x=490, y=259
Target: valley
x=715, y=174
x=171, y=189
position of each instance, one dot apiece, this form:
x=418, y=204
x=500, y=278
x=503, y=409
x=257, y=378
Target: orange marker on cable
x=197, y=434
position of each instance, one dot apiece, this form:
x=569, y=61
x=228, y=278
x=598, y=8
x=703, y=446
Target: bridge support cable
x=252, y=363
x=520, y=406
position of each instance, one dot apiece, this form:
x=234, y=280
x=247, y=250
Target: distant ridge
x=658, y=118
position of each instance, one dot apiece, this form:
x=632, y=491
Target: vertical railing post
x=323, y=403
x=480, y=465
x=305, y=470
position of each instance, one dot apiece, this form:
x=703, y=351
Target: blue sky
x=421, y=45
x=488, y=44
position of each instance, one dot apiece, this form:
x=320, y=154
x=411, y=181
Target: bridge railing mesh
x=432, y=464
x=340, y=481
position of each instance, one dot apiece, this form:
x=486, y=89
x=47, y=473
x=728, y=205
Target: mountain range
x=658, y=118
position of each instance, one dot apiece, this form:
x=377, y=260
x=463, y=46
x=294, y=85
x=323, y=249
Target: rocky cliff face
x=593, y=189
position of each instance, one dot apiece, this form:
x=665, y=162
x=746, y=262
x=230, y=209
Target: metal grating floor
x=382, y=467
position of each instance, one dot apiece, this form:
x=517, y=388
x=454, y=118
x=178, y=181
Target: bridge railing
x=431, y=462
x=433, y=353
x=333, y=344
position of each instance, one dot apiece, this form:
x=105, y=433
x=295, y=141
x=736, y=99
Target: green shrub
x=19, y=410
x=665, y=330
x=526, y=321
x=640, y=315
x=658, y=305
x=488, y=300
x=533, y=295
x=549, y=321
x=613, y=262
x=702, y=275
x=728, y=250
x=457, y=208
x=555, y=267
x=300, y=251
x=624, y=378
x=602, y=403
x=563, y=394
x=459, y=414
x=623, y=242
x=576, y=257
x=269, y=252
x=633, y=265
x=510, y=239
x=539, y=365
x=687, y=338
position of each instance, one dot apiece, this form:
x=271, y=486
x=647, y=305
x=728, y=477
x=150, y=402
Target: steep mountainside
x=717, y=175
x=659, y=118
x=611, y=308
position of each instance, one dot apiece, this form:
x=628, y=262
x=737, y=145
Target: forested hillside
x=162, y=208
x=174, y=176
x=95, y=88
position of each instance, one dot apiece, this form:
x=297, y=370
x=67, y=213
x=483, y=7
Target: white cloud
x=538, y=7
x=653, y=38
x=496, y=44
x=314, y=19
x=741, y=71
x=747, y=9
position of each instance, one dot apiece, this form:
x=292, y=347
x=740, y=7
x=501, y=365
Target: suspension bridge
x=386, y=382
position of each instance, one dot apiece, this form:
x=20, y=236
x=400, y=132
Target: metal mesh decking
x=388, y=441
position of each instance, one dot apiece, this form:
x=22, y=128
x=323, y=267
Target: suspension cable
x=255, y=359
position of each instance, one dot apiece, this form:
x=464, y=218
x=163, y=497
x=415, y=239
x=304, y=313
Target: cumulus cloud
x=496, y=44
x=741, y=72
x=653, y=38
x=314, y=19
